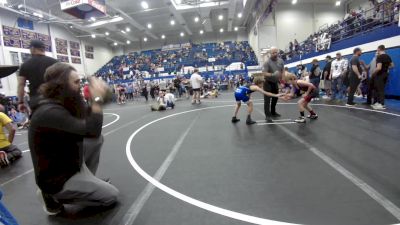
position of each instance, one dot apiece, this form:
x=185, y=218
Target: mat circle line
x=204, y=205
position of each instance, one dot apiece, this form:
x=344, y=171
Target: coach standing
x=273, y=70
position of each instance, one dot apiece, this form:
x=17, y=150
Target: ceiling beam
x=132, y=21
x=205, y=15
x=178, y=16
x=231, y=14
x=127, y=35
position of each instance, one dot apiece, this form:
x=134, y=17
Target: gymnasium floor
x=340, y=169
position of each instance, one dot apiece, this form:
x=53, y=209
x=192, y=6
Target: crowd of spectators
x=356, y=21
x=172, y=61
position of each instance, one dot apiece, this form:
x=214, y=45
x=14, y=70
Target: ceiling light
x=144, y=5
x=201, y=31
x=107, y=33
x=70, y=26
x=163, y=36
x=145, y=39
x=294, y=2
x=172, y=22
x=38, y=14
x=128, y=42
x=220, y=17
x=182, y=34
x=99, y=23
x=240, y=15
x=93, y=36
x=115, y=43
x=122, y=31
x=337, y=3
x=221, y=30
x=149, y=25
x=196, y=19
x=128, y=29
x=236, y=28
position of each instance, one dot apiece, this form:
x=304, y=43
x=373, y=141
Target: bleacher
x=195, y=55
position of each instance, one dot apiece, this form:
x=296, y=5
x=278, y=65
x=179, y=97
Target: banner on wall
x=62, y=58
x=25, y=56
x=74, y=45
x=89, y=55
x=61, y=46
x=75, y=52
x=25, y=23
x=11, y=37
x=76, y=60
x=46, y=39
x=89, y=48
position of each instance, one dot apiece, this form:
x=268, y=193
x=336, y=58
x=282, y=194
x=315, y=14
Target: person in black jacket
x=64, y=171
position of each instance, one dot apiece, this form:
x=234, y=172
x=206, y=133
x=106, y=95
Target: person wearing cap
x=33, y=70
x=326, y=74
x=337, y=76
x=354, y=75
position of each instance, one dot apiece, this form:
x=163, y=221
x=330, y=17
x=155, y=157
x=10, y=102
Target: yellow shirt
x=4, y=120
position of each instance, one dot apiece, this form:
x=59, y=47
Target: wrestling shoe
x=235, y=120
x=315, y=116
x=250, y=122
x=301, y=119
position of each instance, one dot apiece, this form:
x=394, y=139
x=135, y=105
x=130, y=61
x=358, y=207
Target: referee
x=273, y=69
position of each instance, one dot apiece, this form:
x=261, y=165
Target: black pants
x=370, y=92
x=270, y=102
x=353, y=84
x=379, y=87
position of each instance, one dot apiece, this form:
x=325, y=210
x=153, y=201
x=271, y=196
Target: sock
x=312, y=112
x=302, y=114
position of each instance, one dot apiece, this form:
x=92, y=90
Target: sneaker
x=350, y=104
x=301, y=119
x=250, y=122
x=235, y=120
x=378, y=106
x=315, y=116
x=276, y=115
x=50, y=206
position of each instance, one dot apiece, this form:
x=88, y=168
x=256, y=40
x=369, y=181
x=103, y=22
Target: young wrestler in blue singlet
x=243, y=93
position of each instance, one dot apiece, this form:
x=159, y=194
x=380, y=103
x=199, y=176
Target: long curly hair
x=57, y=87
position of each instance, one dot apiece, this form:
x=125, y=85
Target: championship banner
x=46, y=40
x=75, y=52
x=12, y=42
x=61, y=46
x=89, y=48
x=74, y=45
x=76, y=60
x=62, y=58
x=89, y=55
x=26, y=38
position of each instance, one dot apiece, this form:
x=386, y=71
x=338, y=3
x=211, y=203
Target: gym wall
x=102, y=51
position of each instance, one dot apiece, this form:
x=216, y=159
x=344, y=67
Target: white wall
x=102, y=51
x=356, y=4
x=289, y=22
x=301, y=20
